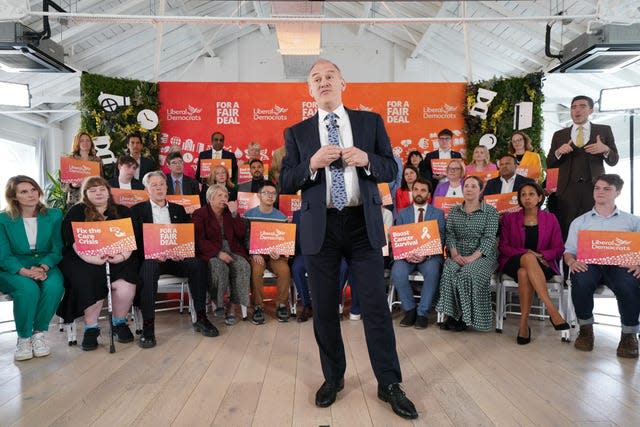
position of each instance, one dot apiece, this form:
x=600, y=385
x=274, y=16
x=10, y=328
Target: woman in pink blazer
x=530, y=248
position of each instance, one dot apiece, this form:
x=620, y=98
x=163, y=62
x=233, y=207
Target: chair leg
x=243, y=309
x=71, y=333
x=137, y=319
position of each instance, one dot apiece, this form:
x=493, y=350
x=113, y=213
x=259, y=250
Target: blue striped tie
x=338, y=189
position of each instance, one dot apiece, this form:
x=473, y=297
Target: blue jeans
x=625, y=287
x=430, y=269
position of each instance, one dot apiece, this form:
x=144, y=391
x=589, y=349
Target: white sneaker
x=23, y=349
x=353, y=316
x=39, y=345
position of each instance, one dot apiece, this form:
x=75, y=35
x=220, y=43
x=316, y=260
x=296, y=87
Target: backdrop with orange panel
x=244, y=112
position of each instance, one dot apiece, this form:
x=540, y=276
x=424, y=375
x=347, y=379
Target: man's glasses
x=218, y=139
x=268, y=193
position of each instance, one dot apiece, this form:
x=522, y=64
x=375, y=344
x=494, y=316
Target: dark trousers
x=576, y=199
x=625, y=287
x=346, y=236
x=192, y=268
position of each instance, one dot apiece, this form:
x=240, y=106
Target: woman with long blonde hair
x=82, y=148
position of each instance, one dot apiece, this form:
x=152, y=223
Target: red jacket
x=209, y=237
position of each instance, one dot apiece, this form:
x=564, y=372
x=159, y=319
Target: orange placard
x=439, y=166
x=272, y=237
x=446, y=203
x=552, y=180
x=484, y=175
x=609, y=247
x=104, y=237
x=247, y=201
x=385, y=193
x=189, y=203
x=73, y=171
x=505, y=202
x=174, y=241
x=530, y=172
x=288, y=204
x=244, y=173
x=128, y=198
x=207, y=164
x=420, y=238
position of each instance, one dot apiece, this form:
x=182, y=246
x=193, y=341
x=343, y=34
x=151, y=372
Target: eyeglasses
x=454, y=169
x=218, y=139
x=268, y=193
x=175, y=162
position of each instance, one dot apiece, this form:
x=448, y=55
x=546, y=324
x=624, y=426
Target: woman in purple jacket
x=530, y=248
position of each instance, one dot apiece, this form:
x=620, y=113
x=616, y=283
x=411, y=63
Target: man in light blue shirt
x=623, y=280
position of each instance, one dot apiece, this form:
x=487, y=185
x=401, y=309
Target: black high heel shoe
x=561, y=327
x=522, y=340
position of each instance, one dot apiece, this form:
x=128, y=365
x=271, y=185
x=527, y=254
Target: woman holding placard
x=220, y=235
x=85, y=275
x=30, y=249
x=471, y=241
x=530, y=249
x=82, y=149
x=529, y=163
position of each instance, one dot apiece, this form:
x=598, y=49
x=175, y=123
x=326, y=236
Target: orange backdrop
x=245, y=112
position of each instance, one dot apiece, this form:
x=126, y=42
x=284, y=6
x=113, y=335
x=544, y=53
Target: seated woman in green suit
x=30, y=249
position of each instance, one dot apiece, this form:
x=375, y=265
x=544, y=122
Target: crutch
x=112, y=346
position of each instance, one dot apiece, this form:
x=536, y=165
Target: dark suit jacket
x=189, y=185
x=207, y=154
x=209, y=237
x=512, y=237
x=146, y=165
x=425, y=165
x=302, y=141
x=494, y=185
x=135, y=184
x=595, y=161
x=141, y=213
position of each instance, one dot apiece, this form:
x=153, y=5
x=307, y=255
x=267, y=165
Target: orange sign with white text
x=74, y=171
x=609, y=247
x=385, y=193
x=446, y=203
x=174, y=241
x=439, y=166
x=505, y=202
x=420, y=238
x=247, y=201
x=128, y=198
x=272, y=237
x=552, y=180
x=289, y=203
x=207, y=164
x=104, y=237
x=485, y=175
x=190, y=203
x=190, y=112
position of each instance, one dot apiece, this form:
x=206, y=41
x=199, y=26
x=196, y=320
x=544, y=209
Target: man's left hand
x=598, y=148
x=354, y=156
x=634, y=270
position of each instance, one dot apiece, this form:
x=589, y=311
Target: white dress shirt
x=160, y=213
x=507, y=184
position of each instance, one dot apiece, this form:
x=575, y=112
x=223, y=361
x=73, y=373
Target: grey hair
x=147, y=176
x=212, y=190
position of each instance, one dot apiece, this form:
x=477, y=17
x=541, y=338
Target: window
x=17, y=159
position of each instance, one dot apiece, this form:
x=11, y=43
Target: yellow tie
x=217, y=155
x=579, y=138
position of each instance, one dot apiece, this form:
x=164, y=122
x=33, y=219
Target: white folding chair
x=6, y=298
x=168, y=284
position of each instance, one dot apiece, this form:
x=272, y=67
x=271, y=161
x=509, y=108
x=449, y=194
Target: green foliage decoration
x=117, y=124
x=500, y=114
x=54, y=191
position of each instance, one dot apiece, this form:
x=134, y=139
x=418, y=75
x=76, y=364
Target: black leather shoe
x=326, y=394
x=90, y=339
x=122, y=333
x=561, y=327
x=206, y=327
x=305, y=314
x=421, y=322
x=400, y=403
x=147, y=341
x=524, y=340
x=409, y=318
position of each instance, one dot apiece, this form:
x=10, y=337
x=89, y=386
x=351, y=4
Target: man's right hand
x=564, y=149
x=324, y=157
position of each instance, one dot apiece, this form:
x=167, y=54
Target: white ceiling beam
x=366, y=10
x=427, y=33
x=264, y=29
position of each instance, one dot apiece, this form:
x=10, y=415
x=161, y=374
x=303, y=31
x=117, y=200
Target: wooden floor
x=267, y=375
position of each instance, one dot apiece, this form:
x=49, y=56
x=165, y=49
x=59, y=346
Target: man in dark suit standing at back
x=508, y=181
x=135, y=146
x=157, y=210
x=579, y=151
x=218, y=152
x=336, y=158
x=445, y=137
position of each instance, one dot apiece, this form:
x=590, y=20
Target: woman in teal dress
x=30, y=249
x=471, y=241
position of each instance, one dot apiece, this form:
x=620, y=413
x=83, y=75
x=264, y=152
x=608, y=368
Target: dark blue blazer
x=302, y=141
x=494, y=185
x=135, y=184
x=190, y=186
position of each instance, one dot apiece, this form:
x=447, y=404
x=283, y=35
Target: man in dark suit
x=336, y=158
x=256, y=167
x=127, y=168
x=177, y=181
x=158, y=210
x=509, y=180
x=217, y=152
x=445, y=136
x=135, y=146
x=578, y=152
